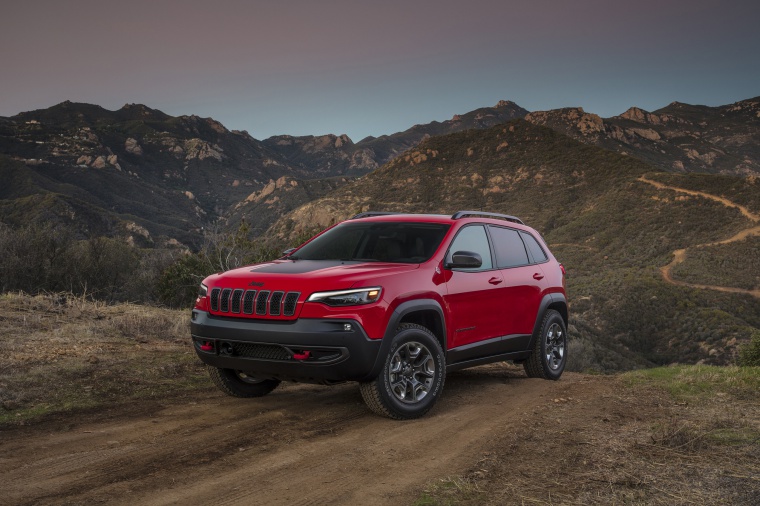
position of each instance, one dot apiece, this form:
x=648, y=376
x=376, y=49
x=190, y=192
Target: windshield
x=400, y=242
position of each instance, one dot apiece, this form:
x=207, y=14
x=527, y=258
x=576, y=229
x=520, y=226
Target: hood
x=307, y=275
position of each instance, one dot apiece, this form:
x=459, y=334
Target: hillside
x=677, y=138
x=613, y=230
x=263, y=207
x=170, y=175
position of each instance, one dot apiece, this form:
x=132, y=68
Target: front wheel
x=412, y=376
x=550, y=351
x=240, y=383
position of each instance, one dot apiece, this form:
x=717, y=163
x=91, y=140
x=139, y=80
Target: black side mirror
x=465, y=260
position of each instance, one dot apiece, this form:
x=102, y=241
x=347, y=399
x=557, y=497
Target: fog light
x=348, y=327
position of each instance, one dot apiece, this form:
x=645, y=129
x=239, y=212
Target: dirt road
x=302, y=444
x=680, y=255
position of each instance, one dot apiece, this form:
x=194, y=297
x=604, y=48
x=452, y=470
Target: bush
x=178, y=284
x=749, y=354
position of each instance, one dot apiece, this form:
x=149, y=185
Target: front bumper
x=306, y=350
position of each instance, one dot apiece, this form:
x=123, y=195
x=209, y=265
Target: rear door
x=523, y=284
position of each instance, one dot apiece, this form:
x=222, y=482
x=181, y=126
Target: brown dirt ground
x=505, y=438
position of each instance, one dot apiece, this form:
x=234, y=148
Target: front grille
x=224, y=307
x=289, y=308
x=236, y=296
x=215, y=299
x=248, y=301
x=260, y=351
x=261, y=302
x=275, y=302
x=252, y=302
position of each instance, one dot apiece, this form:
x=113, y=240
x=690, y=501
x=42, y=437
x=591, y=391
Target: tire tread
x=534, y=365
x=370, y=390
x=221, y=379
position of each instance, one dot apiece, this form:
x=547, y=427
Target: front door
x=473, y=297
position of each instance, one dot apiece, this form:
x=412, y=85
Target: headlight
x=353, y=297
x=203, y=290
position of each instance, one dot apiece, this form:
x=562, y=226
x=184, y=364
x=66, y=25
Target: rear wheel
x=240, y=383
x=412, y=376
x=550, y=352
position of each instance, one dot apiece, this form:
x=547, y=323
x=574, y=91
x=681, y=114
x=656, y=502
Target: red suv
x=393, y=301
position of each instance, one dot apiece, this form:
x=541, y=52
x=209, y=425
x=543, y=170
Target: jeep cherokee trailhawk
x=393, y=301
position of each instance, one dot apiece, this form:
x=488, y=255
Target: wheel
x=550, y=352
x=241, y=384
x=412, y=376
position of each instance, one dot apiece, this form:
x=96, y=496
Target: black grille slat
x=248, y=301
x=275, y=303
x=260, y=351
x=215, y=299
x=224, y=306
x=289, y=308
x=261, y=302
x=236, y=296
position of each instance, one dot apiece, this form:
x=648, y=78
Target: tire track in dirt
x=301, y=445
x=679, y=255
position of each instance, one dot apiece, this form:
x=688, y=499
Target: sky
x=311, y=67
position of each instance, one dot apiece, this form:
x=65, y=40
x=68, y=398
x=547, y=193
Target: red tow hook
x=301, y=356
x=207, y=346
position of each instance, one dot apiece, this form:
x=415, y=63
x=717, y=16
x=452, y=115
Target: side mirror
x=465, y=260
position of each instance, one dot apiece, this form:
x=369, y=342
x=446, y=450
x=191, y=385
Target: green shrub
x=749, y=354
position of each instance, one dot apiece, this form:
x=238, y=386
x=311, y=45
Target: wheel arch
x=425, y=312
x=556, y=301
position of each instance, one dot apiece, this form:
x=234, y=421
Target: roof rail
x=367, y=214
x=461, y=214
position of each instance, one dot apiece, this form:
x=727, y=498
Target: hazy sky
x=374, y=67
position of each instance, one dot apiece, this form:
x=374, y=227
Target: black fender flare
x=393, y=322
x=550, y=300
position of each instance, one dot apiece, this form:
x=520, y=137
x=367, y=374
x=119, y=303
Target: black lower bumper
x=307, y=350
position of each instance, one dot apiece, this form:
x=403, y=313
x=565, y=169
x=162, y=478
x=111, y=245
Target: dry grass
x=653, y=437
x=64, y=353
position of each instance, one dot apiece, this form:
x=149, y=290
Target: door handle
x=495, y=280
x=538, y=275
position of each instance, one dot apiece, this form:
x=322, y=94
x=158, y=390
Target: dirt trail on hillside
x=302, y=444
x=680, y=255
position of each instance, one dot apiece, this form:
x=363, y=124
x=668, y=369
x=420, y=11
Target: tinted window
x=535, y=249
x=510, y=250
x=473, y=238
x=401, y=242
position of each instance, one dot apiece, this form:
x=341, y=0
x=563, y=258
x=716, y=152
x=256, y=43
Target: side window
x=510, y=250
x=535, y=249
x=473, y=238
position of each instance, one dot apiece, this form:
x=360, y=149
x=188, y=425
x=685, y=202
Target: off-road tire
x=239, y=384
x=381, y=396
x=538, y=365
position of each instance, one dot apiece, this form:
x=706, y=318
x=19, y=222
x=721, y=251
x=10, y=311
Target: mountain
x=662, y=267
x=677, y=138
x=139, y=169
x=327, y=154
x=167, y=175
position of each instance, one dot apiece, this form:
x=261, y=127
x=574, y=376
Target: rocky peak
x=573, y=117
x=635, y=114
